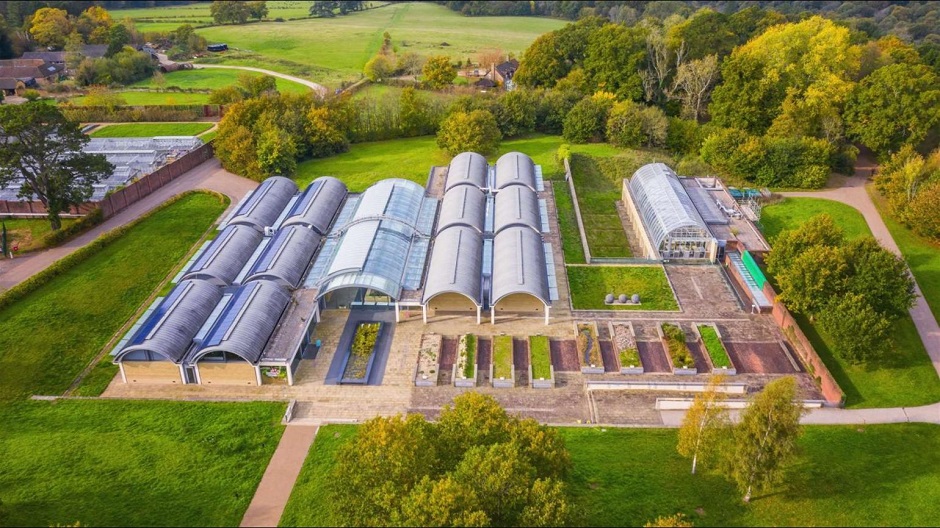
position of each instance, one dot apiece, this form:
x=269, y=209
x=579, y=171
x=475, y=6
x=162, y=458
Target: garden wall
x=827, y=384
x=577, y=211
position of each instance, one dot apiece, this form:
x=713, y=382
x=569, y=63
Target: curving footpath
x=319, y=88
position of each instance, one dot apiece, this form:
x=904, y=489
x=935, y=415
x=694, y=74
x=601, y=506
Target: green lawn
x=151, y=129
x=28, y=233
x=212, y=79
x=878, y=475
x=502, y=357
x=155, y=98
x=922, y=255
x=336, y=49
x=169, y=17
x=714, y=347
x=790, y=213
x=590, y=284
x=132, y=463
x=47, y=338
x=540, y=357
x=906, y=377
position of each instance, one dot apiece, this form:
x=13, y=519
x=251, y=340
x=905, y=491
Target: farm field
x=91, y=301
x=165, y=18
x=28, y=233
x=337, y=48
x=891, y=477
x=212, y=79
x=151, y=129
x=906, y=377
x=133, y=463
x=590, y=284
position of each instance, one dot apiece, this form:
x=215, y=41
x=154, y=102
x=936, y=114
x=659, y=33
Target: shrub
x=54, y=238
x=678, y=350
x=587, y=120
x=475, y=131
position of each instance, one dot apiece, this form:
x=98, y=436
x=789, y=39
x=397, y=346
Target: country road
x=319, y=88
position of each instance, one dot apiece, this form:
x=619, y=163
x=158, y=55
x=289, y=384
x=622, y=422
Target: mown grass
x=502, y=357
x=876, y=475
x=28, y=233
x=147, y=19
x=131, y=463
x=905, y=376
x=47, y=338
x=714, y=347
x=213, y=79
x=568, y=224
x=151, y=129
x=790, y=213
x=540, y=357
x=339, y=47
x=590, y=284
x=922, y=255
x=132, y=98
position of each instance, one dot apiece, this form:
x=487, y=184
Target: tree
x=44, y=148
x=926, y=208
x=323, y=8
x=858, y=331
x=542, y=63
x=705, y=424
x=879, y=277
x=413, y=113
x=50, y=27
x=625, y=125
x=93, y=24
x=765, y=438
x=117, y=39
x=409, y=63
x=73, y=51
x=226, y=95
x=438, y=72
x=230, y=11
x=325, y=133
x=612, y=60
x=817, y=274
x=443, y=502
x=693, y=83
x=474, y=131
x=587, y=120
x=277, y=153
x=258, y=9
x=820, y=230
x=896, y=105
x=518, y=113
x=256, y=85
x=103, y=96
x=378, y=68
x=489, y=57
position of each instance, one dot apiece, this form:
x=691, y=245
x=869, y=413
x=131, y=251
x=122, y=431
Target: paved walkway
x=853, y=193
x=274, y=490
x=209, y=175
x=319, y=88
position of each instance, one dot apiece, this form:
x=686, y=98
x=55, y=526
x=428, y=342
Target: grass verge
x=29, y=234
x=151, y=129
x=540, y=357
x=60, y=320
x=844, y=476
x=590, y=284
x=129, y=463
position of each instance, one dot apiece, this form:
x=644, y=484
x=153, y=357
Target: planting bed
x=589, y=348
x=541, y=372
x=361, y=353
x=674, y=340
x=428, y=360
x=465, y=367
x=717, y=354
x=624, y=341
x=502, y=370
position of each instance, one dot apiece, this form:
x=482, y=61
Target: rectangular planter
x=586, y=367
x=727, y=371
x=628, y=369
x=429, y=357
x=465, y=382
x=503, y=383
x=365, y=379
x=679, y=371
x=542, y=383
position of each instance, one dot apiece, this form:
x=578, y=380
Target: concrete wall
x=451, y=302
x=520, y=302
x=229, y=373
x=152, y=372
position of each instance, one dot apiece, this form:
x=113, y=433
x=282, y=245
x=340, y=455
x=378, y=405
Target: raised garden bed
x=589, y=348
x=624, y=341
x=502, y=370
x=679, y=354
x=710, y=337
x=465, y=368
x=361, y=354
x=541, y=371
x=428, y=360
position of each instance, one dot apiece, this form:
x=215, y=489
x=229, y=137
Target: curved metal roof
x=467, y=168
x=517, y=205
x=519, y=265
x=265, y=204
x=515, y=168
x=456, y=265
x=246, y=322
x=394, y=199
x=286, y=257
x=371, y=254
x=226, y=255
x=171, y=327
x=663, y=203
x=463, y=205
x=318, y=204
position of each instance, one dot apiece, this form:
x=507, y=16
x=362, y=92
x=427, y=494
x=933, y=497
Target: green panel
x=754, y=269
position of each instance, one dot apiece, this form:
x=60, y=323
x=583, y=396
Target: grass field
x=791, y=213
x=212, y=79
x=171, y=16
x=906, y=377
x=154, y=98
x=337, y=48
x=27, y=233
x=844, y=476
x=131, y=463
x=590, y=284
x=151, y=129
x=922, y=255
x=47, y=338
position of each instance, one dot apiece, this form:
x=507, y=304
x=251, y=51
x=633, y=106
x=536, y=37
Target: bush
x=475, y=131
x=31, y=95
x=684, y=136
x=54, y=238
x=678, y=350
x=587, y=120
x=125, y=67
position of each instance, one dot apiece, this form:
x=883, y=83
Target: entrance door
x=190, y=374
